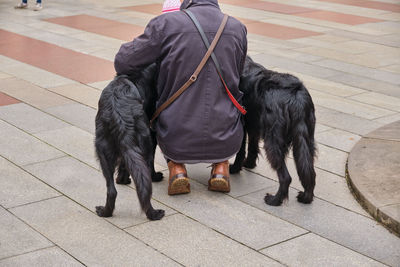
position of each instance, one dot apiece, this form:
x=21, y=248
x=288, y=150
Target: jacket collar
x=190, y=3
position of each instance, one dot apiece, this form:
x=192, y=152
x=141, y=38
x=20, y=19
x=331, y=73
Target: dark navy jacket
x=202, y=125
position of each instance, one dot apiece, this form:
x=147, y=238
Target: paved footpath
x=53, y=66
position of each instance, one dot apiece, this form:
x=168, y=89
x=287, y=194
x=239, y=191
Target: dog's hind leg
x=276, y=149
x=107, y=157
x=253, y=150
x=303, y=153
x=155, y=176
x=240, y=156
x=123, y=174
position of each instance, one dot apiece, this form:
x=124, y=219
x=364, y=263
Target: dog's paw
x=272, y=200
x=123, y=179
x=103, y=212
x=249, y=164
x=157, y=177
x=154, y=215
x=305, y=198
x=234, y=169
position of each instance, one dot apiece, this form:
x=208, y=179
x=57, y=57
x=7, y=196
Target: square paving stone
x=73, y=141
x=87, y=186
x=313, y=250
x=22, y=148
x=87, y=237
x=228, y=215
x=16, y=237
x=30, y=119
x=19, y=187
x=76, y=114
x=349, y=229
x=193, y=244
x=48, y=257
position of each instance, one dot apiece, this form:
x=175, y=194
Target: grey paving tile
x=87, y=186
x=269, y=60
x=77, y=114
x=337, y=224
x=330, y=187
x=17, y=237
x=312, y=250
x=384, y=40
x=73, y=141
x=48, y=257
x=88, y=238
x=22, y=148
x=388, y=119
x=241, y=184
x=30, y=119
x=338, y=139
x=374, y=74
x=346, y=122
x=228, y=216
x=79, y=92
x=19, y=187
x=367, y=84
x=192, y=244
x=387, y=132
x=331, y=159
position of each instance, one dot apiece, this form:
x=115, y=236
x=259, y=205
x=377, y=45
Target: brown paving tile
x=7, y=100
x=279, y=8
x=368, y=4
x=155, y=9
x=338, y=17
x=64, y=62
x=106, y=27
x=277, y=31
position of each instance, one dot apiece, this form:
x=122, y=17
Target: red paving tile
x=155, y=9
x=106, y=27
x=7, y=100
x=338, y=17
x=64, y=62
x=367, y=4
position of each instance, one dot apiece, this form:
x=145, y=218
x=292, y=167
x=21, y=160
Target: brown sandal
x=178, y=181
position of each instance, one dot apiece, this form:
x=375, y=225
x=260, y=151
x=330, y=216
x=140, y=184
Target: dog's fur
x=123, y=137
x=281, y=112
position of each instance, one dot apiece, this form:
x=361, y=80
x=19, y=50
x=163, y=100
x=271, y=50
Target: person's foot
x=21, y=5
x=178, y=181
x=219, y=180
x=38, y=7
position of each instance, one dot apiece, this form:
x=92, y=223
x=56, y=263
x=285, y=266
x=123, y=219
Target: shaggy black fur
x=123, y=137
x=281, y=112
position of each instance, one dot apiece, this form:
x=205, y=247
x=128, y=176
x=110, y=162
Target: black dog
x=123, y=137
x=281, y=112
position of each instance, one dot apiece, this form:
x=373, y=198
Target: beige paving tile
x=88, y=238
x=31, y=94
x=45, y=258
x=87, y=186
x=79, y=92
x=338, y=139
x=388, y=119
x=348, y=106
x=393, y=68
x=379, y=100
x=330, y=38
x=321, y=128
x=19, y=187
x=207, y=247
x=331, y=160
x=100, y=85
x=30, y=119
x=296, y=24
x=319, y=251
x=22, y=148
x=73, y=141
x=17, y=237
x=4, y=75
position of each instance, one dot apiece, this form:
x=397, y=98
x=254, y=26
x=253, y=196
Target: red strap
x=237, y=105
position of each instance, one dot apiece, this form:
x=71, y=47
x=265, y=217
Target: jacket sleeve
x=243, y=59
x=142, y=51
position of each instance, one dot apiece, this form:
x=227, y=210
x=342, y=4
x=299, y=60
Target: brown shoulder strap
x=192, y=78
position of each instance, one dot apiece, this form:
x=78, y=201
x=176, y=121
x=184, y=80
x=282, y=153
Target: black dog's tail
x=303, y=127
x=140, y=173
